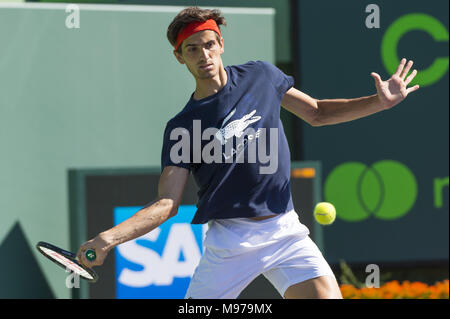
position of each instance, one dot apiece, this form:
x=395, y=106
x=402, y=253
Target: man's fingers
x=400, y=67
x=412, y=89
x=83, y=260
x=377, y=78
x=80, y=256
x=406, y=69
x=411, y=77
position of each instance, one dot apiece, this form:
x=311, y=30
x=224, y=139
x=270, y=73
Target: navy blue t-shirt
x=234, y=144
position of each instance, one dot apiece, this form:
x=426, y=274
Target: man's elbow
x=173, y=210
x=170, y=206
x=316, y=117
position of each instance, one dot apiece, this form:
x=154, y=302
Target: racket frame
x=69, y=255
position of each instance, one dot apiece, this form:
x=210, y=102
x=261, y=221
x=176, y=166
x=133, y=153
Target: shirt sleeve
x=281, y=82
x=176, y=148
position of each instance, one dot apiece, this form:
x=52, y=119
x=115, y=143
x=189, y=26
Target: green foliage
x=347, y=277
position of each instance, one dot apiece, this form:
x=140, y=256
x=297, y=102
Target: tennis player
x=253, y=227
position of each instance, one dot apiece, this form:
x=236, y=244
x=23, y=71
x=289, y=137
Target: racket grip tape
x=90, y=254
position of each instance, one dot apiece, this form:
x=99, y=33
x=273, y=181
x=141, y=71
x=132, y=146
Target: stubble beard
x=207, y=74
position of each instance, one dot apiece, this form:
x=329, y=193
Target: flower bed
x=396, y=290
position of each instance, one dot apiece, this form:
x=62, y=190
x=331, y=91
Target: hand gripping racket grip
x=90, y=254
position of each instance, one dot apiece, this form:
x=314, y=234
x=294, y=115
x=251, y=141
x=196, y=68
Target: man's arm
x=334, y=111
x=170, y=191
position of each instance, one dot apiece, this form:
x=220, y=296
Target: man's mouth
x=206, y=66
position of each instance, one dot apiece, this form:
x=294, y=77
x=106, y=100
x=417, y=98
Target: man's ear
x=178, y=57
x=222, y=50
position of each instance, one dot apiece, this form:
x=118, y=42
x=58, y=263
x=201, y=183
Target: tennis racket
x=68, y=260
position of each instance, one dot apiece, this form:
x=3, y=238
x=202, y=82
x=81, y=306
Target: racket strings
x=66, y=262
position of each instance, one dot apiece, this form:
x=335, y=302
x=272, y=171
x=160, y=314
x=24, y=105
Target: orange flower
x=370, y=293
x=440, y=290
x=348, y=291
x=385, y=294
x=393, y=287
x=415, y=290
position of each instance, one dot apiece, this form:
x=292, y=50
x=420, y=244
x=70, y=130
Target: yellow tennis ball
x=325, y=213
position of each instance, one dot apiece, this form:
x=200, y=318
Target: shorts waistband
x=255, y=223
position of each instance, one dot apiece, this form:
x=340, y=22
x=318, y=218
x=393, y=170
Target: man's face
x=201, y=53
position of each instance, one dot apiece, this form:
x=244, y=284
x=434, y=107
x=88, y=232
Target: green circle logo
x=387, y=190
x=405, y=24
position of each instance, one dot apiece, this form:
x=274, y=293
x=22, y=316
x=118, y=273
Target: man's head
x=195, y=35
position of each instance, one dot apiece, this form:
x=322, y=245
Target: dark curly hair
x=188, y=15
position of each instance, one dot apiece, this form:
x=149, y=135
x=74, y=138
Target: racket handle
x=90, y=254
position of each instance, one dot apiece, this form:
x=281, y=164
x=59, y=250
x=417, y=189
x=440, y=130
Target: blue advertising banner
x=158, y=265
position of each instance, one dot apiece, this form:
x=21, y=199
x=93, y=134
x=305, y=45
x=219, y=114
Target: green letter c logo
x=404, y=24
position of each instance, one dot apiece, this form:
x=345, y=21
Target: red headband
x=195, y=27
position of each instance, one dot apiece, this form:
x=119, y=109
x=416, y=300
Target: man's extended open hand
x=395, y=90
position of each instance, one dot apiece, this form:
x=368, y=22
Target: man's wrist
x=107, y=240
x=382, y=104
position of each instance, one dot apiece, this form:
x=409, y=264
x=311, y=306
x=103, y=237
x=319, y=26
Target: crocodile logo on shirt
x=236, y=127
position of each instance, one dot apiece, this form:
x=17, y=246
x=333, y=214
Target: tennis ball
x=324, y=213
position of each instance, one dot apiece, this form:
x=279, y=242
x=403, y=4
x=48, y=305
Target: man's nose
x=205, y=53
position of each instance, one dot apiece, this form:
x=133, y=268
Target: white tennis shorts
x=238, y=250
